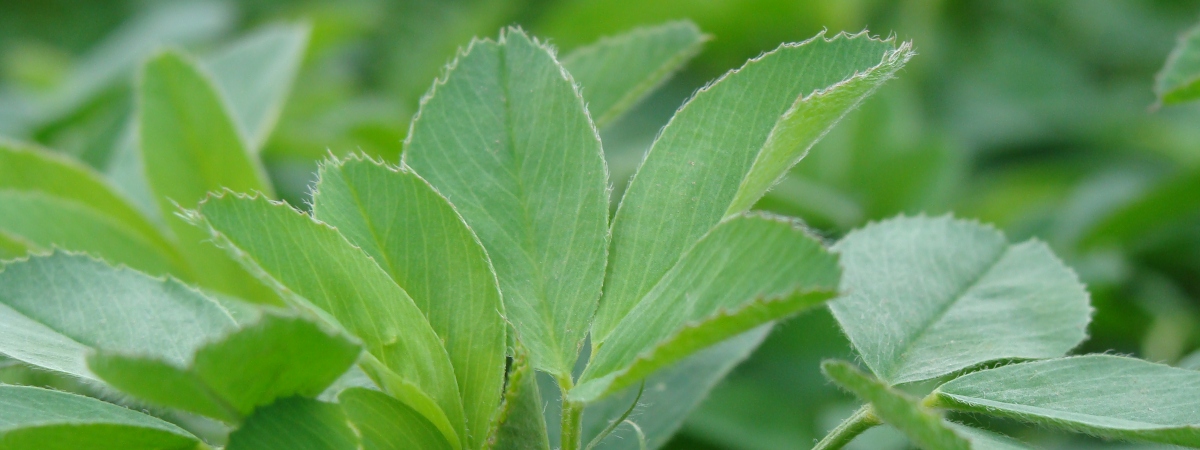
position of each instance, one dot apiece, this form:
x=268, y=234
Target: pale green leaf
x=49, y=200
x=190, y=145
x=506, y=138
x=1179, y=80
x=385, y=423
x=256, y=74
x=273, y=358
x=929, y=296
x=923, y=426
x=316, y=269
x=749, y=270
x=669, y=397
x=295, y=424
x=40, y=419
x=55, y=309
x=987, y=440
x=619, y=71
x=1102, y=395
x=520, y=424
x=414, y=234
x=726, y=147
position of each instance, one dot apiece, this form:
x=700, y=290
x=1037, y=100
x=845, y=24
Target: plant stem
x=572, y=418
x=862, y=420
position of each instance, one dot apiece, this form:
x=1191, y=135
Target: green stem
x=572, y=419
x=862, y=420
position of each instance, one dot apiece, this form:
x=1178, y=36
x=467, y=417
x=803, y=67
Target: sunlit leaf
x=256, y=72
x=40, y=419
x=387, y=424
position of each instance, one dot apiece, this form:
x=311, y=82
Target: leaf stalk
x=862, y=420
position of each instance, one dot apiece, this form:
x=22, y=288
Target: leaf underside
x=40, y=419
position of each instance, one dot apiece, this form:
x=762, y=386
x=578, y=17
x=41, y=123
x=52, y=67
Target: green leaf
x=56, y=309
x=619, y=71
x=725, y=147
x=41, y=419
x=506, y=138
x=275, y=357
x=385, y=423
x=190, y=145
x=296, y=424
x=13, y=246
x=930, y=296
x=1169, y=203
x=751, y=269
x=1179, y=80
x=520, y=424
x=670, y=395
x=48, y=200
x=923, y=426
x=1102, y=395
x=423, y=244
x=316, y=269
x=987, y=440
x=256, y=73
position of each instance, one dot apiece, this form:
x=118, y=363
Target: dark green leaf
x=1179, y=80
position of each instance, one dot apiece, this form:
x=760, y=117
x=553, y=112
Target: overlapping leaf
x=47, y=200
x=56, y=309
x=1103, y=395
x=1179, y=80
x=726, y=147
x=414, y=234
x=40, y=419
x=315, y=268
x=748, y=271
x=618, y=71
x=191, y=145
x=385, y=423
x=507, y=139
x=930, y=296
x=256, y=72
x=296, y=424
x=520, y=424
x=273, y=358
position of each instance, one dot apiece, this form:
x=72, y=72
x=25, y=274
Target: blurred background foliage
x=1033, y=115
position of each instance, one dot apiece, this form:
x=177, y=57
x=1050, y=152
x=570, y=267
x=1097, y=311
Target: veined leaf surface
x=296, y=424
x=749, y=270
x=191, y=145
x=56, y=309
x=619, y=71
x=929, y=296
x=385, y=423
x=507, y=139
x=520, y=424
x=275, y=357
x=726, y=147
x=41, y=419
x=1103, y=395
x=414, y=234
x=316, y=269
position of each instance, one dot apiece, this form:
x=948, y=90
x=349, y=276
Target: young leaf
x=55, y=309
x=385, y=423
x=930, y=296
x=619, y=71
x=273, y=358
x=316, y=269
x=923, y=426
x=725, y=147
x=190, y=145
x=520, y=424
x=414, y=234
x=256, y=73
x=13, y=246
x=40, y=419
x=296, y=424
x=506, y=138
x=749, y=270
x=669, y=396
x=1179, y=80
x=1103, y=395
x=49, y=200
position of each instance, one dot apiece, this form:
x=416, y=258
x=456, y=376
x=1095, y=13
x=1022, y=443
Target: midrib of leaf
x=941, y=313
x=531, y=247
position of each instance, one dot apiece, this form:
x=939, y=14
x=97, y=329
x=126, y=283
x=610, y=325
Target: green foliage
x=35, y=418
x=1179, y=80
